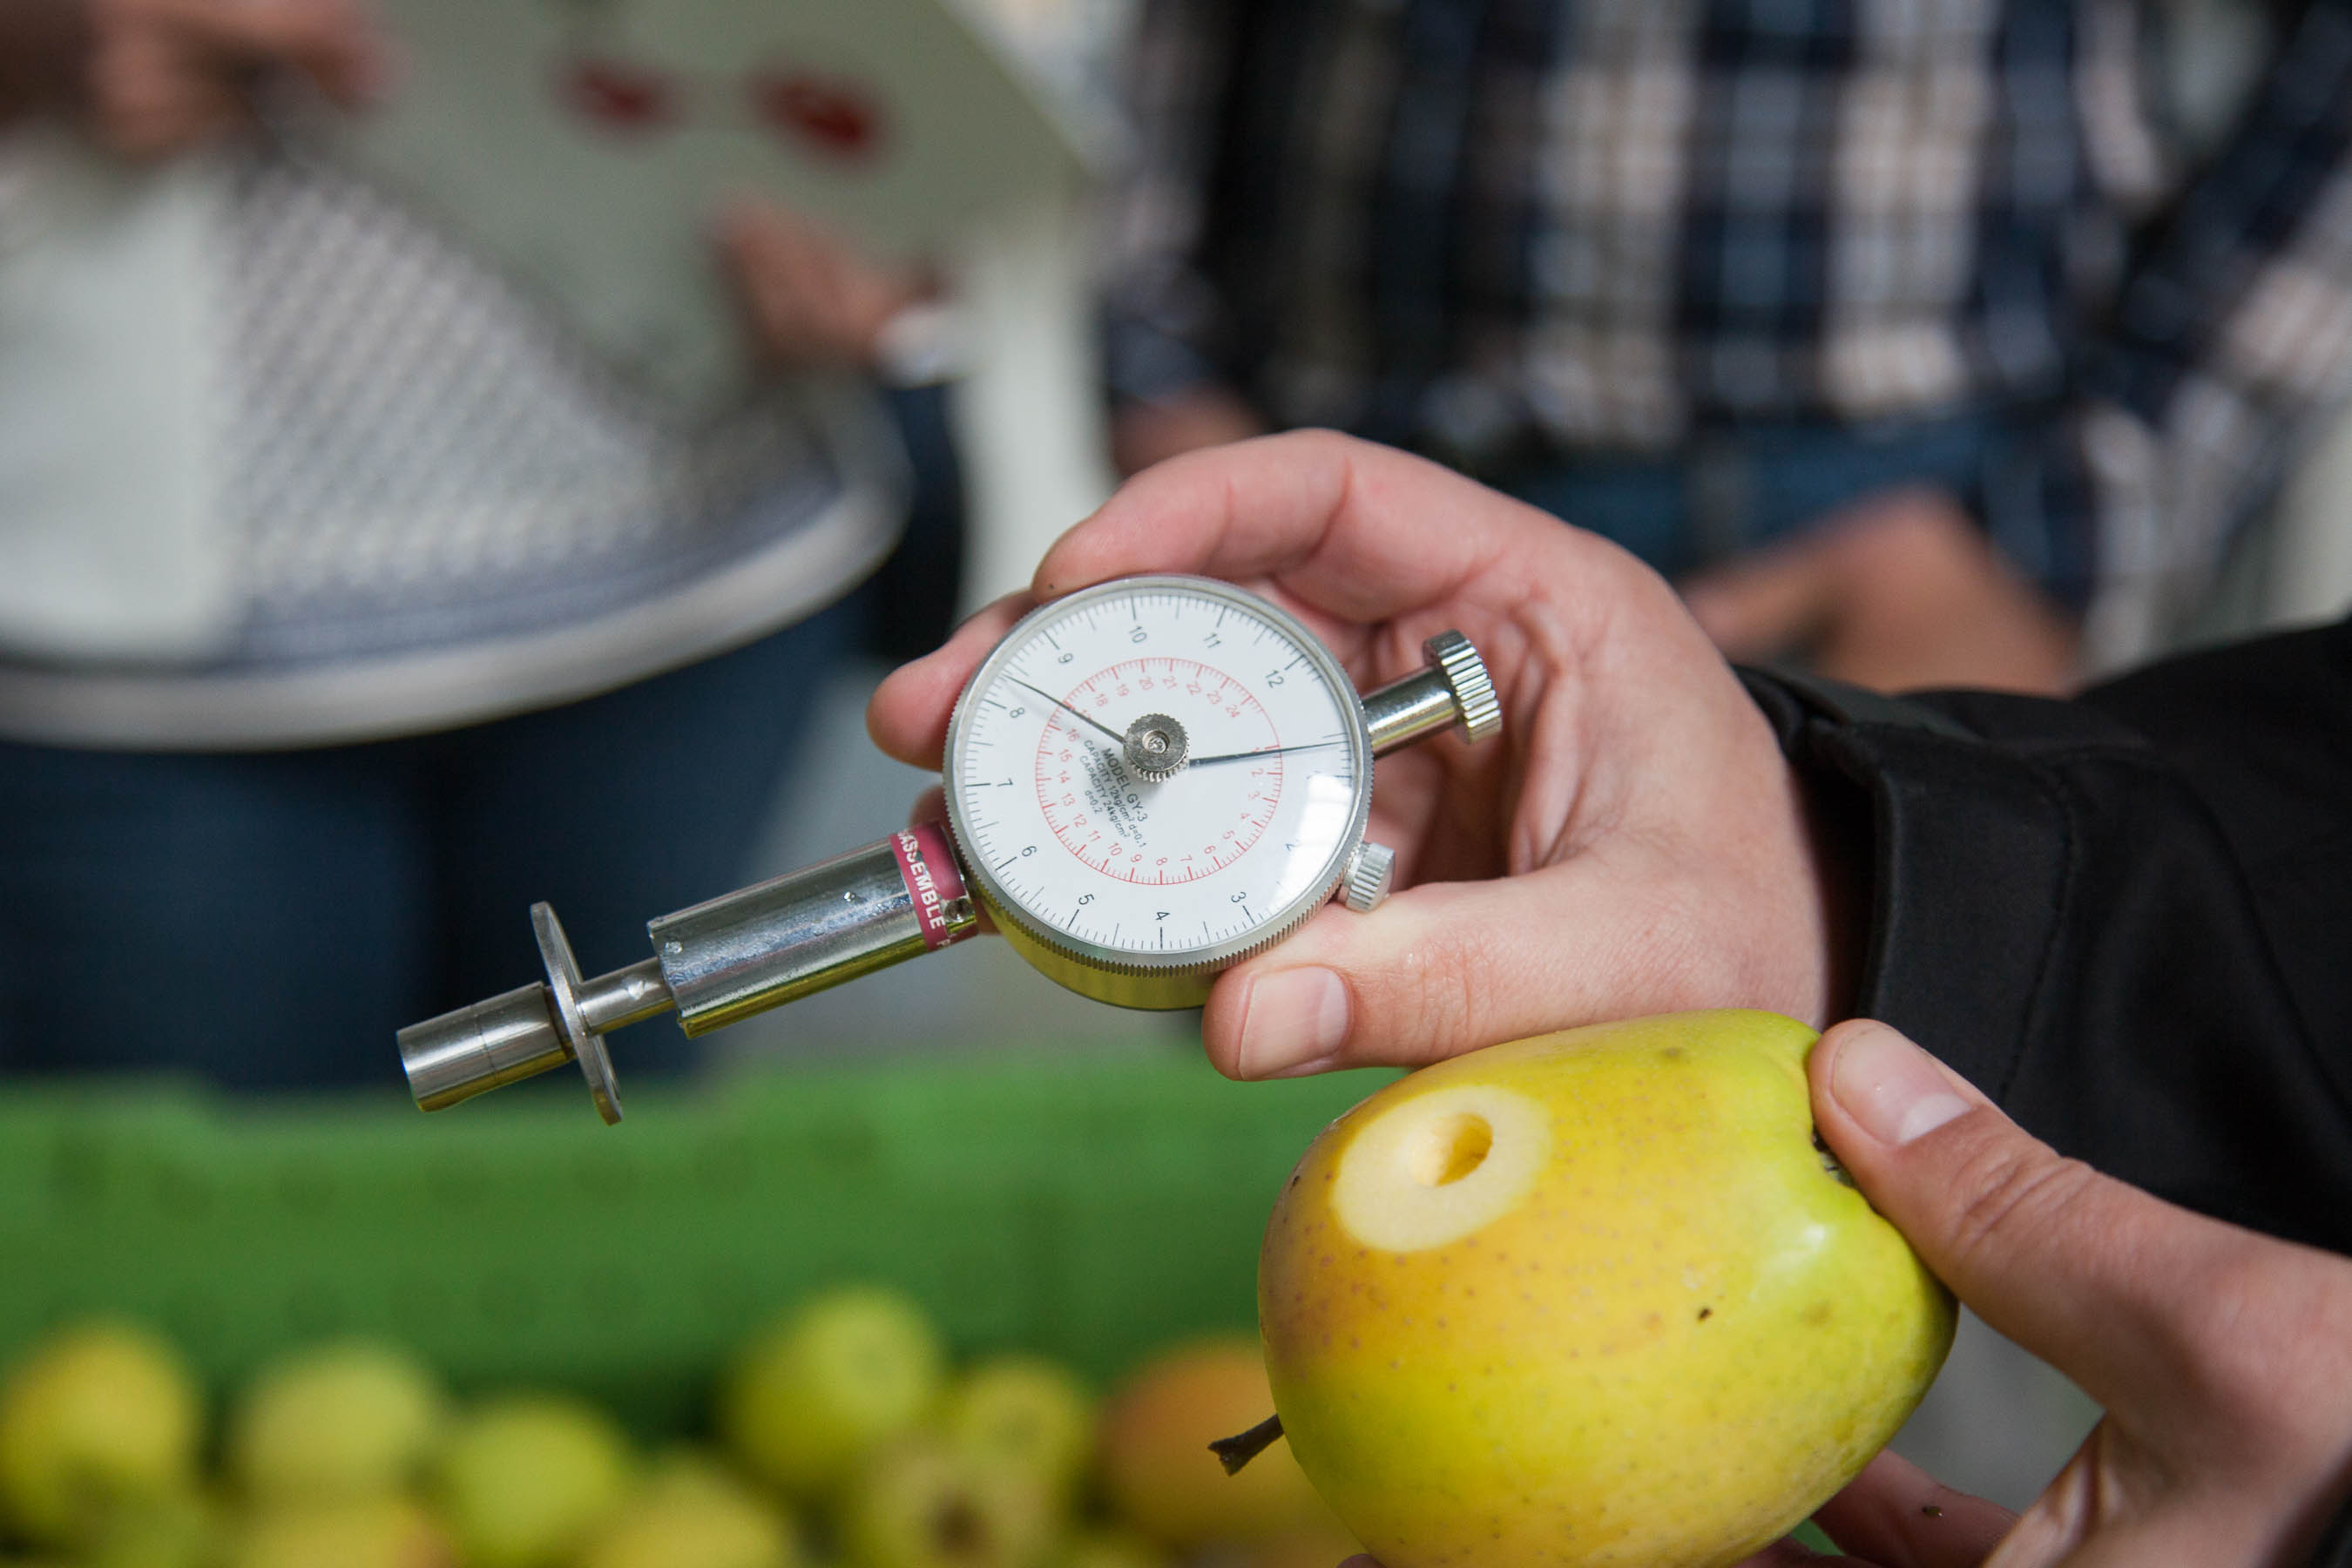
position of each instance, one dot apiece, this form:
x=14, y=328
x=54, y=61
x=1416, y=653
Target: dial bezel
x=1208, y=957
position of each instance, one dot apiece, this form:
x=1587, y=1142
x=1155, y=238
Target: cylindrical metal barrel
x=776, y=942
x=483, y=1045
x=1406, y=711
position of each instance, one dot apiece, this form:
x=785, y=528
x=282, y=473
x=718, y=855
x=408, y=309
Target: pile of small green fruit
x=843, y=1435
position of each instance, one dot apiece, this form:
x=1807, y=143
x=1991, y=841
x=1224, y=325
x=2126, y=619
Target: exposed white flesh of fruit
x=1440, y=1166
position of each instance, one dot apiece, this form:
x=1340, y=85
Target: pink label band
x=928, y=863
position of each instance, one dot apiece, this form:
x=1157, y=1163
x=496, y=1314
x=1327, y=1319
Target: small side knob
x=1371, y=871
x=1476, y=709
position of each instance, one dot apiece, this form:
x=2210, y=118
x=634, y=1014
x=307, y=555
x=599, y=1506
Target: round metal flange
x=586, y=1046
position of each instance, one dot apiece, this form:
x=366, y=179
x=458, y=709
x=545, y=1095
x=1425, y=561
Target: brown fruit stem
x=1236, y=1451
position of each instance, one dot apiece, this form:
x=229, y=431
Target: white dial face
x=1071, y=831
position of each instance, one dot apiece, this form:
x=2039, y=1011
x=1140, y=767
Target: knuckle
x=1428, y=999
x=2009, y=1187
x=1433, y=996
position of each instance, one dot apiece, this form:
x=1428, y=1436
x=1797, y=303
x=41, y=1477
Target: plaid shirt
x=1483, y=226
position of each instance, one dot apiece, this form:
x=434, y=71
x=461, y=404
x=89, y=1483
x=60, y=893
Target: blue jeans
x=269, y=919
x=1739, y=488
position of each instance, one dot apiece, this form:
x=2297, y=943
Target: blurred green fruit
x=1323, y=1544
x=362, y=1532
x=95, y=1418
x=1025, y=1413
x=691, y=1513
x=1158, y=1472
x=334, y=1422
x=1103, y=1546
x=524, y=1481
x=179, y=1530
x=849, y=1370
x=918, y=1503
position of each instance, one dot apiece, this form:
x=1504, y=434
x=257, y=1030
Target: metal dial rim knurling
x=1478, y=711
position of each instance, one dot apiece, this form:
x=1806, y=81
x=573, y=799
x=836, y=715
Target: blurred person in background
x=345, y=608
x=1893, y=331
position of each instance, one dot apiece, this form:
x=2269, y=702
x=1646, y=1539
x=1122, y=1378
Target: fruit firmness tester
x=1146, y=781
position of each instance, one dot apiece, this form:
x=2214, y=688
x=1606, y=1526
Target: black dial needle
x=1269, y=751
x=1116, y=738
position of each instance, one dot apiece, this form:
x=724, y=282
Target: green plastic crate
x=1088, y=1206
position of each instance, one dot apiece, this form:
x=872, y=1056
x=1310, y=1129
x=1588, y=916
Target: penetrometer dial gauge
x=1147, y=781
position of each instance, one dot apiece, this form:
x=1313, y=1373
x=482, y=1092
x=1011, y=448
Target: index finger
x=908, y=714
x=1896, y=1515
x=1359, y=532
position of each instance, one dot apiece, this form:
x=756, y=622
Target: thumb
x=2081, y=1269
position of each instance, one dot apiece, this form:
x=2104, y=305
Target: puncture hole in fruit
x=1449, y=1149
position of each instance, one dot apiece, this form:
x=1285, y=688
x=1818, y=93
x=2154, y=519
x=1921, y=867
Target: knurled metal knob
x=1371, y=869
x=1157, y=747
x=1477, y=709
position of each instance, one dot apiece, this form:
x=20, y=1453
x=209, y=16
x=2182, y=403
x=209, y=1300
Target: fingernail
x=1292, y=1017
x=1891, y=1086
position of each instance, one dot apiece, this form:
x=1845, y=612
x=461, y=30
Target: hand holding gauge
x=1146, y=782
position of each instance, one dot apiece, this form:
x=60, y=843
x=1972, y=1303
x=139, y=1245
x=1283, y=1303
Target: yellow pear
x=1596, y=1298
x=335, y=1421
x=916, y=1502
x=692, y=1513
x=180, y=1530
x=1109, y=1546
x=380, y=1532
x=525, y=1481
x=100, y=1417
x=1023, y=1412
x=843, y=1373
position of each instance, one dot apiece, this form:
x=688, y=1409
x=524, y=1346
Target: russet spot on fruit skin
x=1670, y=1336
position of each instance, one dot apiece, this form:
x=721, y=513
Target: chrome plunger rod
x=718, y=962
x=533, y=1028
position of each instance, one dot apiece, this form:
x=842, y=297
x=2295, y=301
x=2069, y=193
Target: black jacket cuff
x=1954, y=836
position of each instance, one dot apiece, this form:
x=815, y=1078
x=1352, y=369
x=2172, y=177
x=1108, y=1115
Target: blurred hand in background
x=812, y=301
x=165, y=75
x=1142, y=434
x=1899, y=591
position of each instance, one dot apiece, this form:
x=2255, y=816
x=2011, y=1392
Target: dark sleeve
x=2128, y=917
